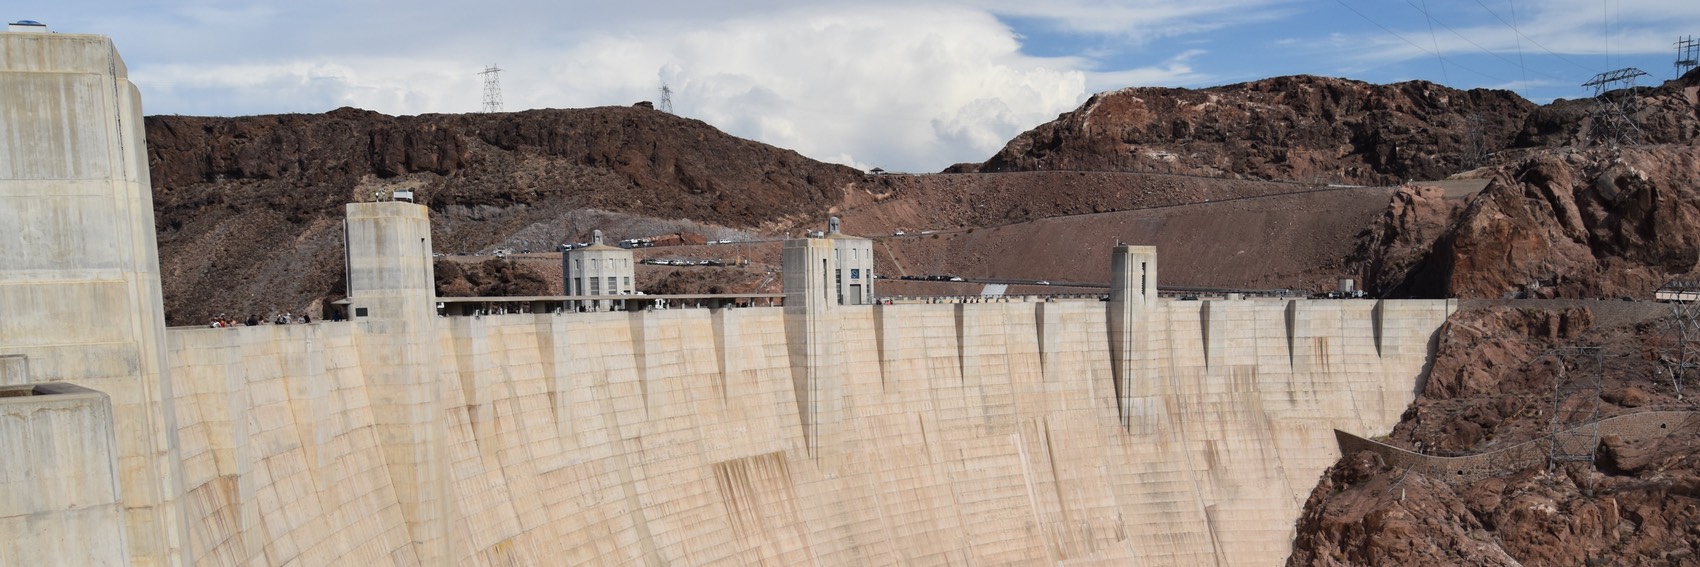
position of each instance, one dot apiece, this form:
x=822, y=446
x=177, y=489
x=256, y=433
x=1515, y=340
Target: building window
x=628, y=283
x=595, y=288
x=613, y=288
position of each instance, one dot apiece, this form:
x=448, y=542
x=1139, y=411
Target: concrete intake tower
x=828, y=431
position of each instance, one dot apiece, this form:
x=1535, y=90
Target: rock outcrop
x=1301, y=128
x=1558, y=223
x=1491, y=387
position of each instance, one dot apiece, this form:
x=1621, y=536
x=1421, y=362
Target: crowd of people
x=254, y=320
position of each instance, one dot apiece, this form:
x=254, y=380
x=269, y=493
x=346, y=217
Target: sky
x=905, y=85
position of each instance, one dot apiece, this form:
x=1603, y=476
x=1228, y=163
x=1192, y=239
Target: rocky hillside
x=1319, y=129
x=249, y=209
x=1491, y=388
x=1301, y=128
x=1588, y=223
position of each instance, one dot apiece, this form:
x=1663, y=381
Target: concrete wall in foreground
x=948, y=434
x=59, y=494
x=79, y=268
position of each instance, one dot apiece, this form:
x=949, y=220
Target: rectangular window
x=594, y=288
x=593, y=264
x=628, y=283
x=612, y=287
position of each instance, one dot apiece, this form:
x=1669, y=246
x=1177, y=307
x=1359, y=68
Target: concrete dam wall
x=950, y=435
x=1132, y=431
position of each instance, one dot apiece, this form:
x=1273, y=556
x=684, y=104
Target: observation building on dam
x=826, y=431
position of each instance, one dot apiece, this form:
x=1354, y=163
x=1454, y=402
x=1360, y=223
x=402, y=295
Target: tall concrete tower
x=391, y=293
x=79, y=272
x=822, y=275
x=1133, y=294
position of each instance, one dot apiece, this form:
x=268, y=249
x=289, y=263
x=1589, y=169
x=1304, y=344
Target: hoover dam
x=1131, y=431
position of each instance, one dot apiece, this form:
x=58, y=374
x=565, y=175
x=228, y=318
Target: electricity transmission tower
x=1614, y=107
x=1687, y=55
x=666, y=98
x=492, y=88
x=1476, y=149
x=1576, y=389
x=1682, y=349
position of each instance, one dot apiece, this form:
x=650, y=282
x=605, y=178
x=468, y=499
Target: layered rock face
x=1295, y=128
x=1590, y=223
x=1554, y=221
x=1490, y=392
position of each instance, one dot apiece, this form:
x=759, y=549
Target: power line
x=1531, y=40
x=1605, y=28
x=1343, y=4
x=1518, y=37
x=1433, y=39
x=1479, y=46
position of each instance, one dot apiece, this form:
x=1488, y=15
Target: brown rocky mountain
x=1320, y=129
x=1491, y=389
x=249, y=209
x=1301, y=128
x=1557, y=223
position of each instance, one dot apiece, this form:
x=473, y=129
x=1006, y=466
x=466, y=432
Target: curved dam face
x=948, y=435
x=1130, y=431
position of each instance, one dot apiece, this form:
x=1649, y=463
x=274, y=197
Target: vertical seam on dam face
x=722, y=326
x=1039, y=333
x=961, y=345
x=638, y=324
x=1291, y=313
x=881, y=335
x=1204, y=329
x=1377, y=314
